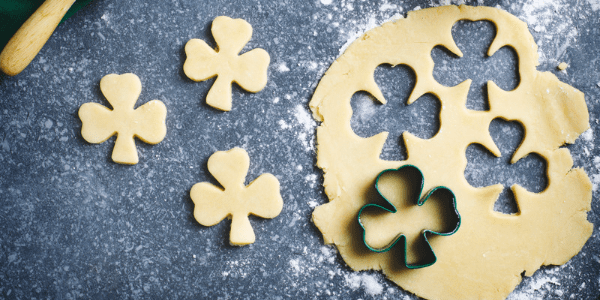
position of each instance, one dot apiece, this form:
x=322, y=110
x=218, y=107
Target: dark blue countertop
x=75, y=225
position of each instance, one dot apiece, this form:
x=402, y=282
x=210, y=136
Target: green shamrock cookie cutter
x=420, y=201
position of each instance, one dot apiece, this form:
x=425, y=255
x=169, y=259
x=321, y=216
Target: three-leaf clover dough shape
x=487, y=256
x=236, y=201
x=248, y=70
x=147, y=122
x=409, y=215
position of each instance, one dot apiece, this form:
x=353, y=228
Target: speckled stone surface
x=75, y=225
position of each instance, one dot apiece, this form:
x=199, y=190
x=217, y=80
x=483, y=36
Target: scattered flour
x=283, y=124
x=366, y=109
x=282, y=67
x=537, y=289
x=352, y=35
x=588, y=135
x=311, y=179
x=595, y=4
x=371, y=285
x=369, y=282
x=308, y=127
x=596, y=176
x=328, y=254
x=556, y=27
x=313, y=203
x=448, y=2
x=295, y=264
x=387, y=6
x=541, y=282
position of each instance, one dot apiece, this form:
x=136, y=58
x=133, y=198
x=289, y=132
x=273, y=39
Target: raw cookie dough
x=147, y=122
x=248, y=70
x=562, y=66
x=236, y=201
x=486, y=257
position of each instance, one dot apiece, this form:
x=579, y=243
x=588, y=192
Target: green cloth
x=13, y=13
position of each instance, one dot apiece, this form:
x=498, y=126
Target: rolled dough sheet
x=490, y=251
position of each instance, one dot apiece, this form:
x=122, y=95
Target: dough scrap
x=248, y=70
x=486, y=257
x=236, y=201
x=147, y=122
x=562, y=66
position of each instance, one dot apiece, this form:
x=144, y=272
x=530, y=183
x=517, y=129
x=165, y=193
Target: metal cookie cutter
x=431, y=257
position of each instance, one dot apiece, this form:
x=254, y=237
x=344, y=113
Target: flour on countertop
x=542, y=285
x=282, y=67
x=99, y=207
x=596, y=174
x=308, y=125
x=595, y=4
x=368, y=281
x=552, y=24
x=588, y=135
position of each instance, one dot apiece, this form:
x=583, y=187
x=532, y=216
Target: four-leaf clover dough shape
x=147, y=122
x=486, y=257
x=413, y=218
x=236, y=201
x=248, y=70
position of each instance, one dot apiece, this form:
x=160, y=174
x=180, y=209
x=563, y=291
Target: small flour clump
x=588, y=135
x=308, y=125
x=596, y=177
x=282, y=67
x=369, y=282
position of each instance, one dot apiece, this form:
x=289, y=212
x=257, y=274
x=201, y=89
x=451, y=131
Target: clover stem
x=219, y=95
x=124, y=151
x=241, y=231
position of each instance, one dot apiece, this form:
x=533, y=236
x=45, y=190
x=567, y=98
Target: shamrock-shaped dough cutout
x=236, y=201
x=147, y=122
x=248, y=70
x=408, y=215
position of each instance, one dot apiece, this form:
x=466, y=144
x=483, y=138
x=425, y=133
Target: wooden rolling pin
x=31, y=37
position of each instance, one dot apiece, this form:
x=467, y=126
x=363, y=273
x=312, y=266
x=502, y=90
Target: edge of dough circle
x=486, y=257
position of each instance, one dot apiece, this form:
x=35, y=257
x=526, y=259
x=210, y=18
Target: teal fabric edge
x=14, y=13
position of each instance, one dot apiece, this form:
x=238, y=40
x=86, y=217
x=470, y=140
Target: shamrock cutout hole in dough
x=474, y=61
x=484, y=169
x=420, y=118
x=236, y=201
x=147, y=122
x=248, y=70
x=408, y=217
